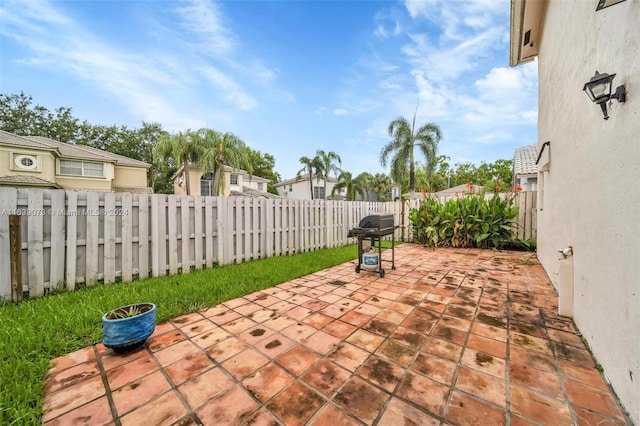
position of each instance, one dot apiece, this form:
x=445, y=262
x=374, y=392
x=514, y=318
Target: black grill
x=371, y=229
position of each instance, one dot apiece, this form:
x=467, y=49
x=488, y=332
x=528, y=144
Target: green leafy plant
x=469, y=221
x=128, y=311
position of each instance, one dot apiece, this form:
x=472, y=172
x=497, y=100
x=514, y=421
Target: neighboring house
x=298, y=188
x=589, y=170
x=525, y=171
x=459, y=190
x=236, y=182
x=38, y=162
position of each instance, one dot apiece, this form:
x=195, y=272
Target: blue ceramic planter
x=127, y=334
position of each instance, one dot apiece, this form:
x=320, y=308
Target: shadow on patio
x=450, y=337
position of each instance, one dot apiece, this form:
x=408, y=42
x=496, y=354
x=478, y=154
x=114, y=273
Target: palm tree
x=179, y=148
x=311, y=166
x=380, y=183
x=327, y=159
x=353, y=186
x=219, y=150
x=405, y=139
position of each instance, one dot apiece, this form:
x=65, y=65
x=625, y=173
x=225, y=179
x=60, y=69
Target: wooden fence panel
x=156, y=234
x=8, y=206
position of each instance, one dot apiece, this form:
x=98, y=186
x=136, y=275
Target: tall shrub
x=469, y=221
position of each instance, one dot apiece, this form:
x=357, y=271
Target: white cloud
x=233, y=92
x=340, y=111
x=203, y=18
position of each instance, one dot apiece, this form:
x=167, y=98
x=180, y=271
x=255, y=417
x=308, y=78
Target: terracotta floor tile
x=298, y=331
x=461, y=312
x=321, y=342
x=443, y=349
x=138, y=392
x=539, y=408
x=72, y=397
x=176, y=352
x=262, y=418
x=424, y=392
x=339, y=329
x=317, y=320
x=210, y=337
x=225, y=349
x=315, y=305
x=262, y=315
x=533, y=359
x=163, y=410
x=255, y=334
x=224, y=317
x=186, y=368
x=482, y=386
x=96, y=412
x=267, y=382
x=435, y=368
x=574, y=355
x=157, y=343
x=348, y=356
x=495, y=333
x=400, y=413
x=464, y=410
x=593, y=399
x=182, y=321
x=356, y=319
x=588, y=418
x=239, y=325
x=198, y=327
x=299, y=313
x=240, y=301
x=486, y=345
x=454, y=322
x=408, y=337
x=493, y=321
x=393, y=351
x=274, y=345
x=381, y=327
x=530, y=343
x=425, y=314
x=521, y=421
x=326, y=377
x=279, y=323
x=561, y=324
x=534, y=330
x=231, y=408
x=361, y=399
x=418, y=324
x=538, y=380
x=587, y=376
x=391, y=316
x=433, y=306
x=204, y=387
x=382, y=372
x=297, y=359
x=110, y=359
x=484, y=362
x=133, y=370
x=330, y=415
x=78, y=357
x=450, y=334
x=245, y=363
x=296, y=404
x=248, y=309
x=71, y=376
x=365, y=340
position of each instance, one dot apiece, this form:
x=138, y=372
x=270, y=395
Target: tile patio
x=454, y=337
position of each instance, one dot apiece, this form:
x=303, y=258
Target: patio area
x=460, y=337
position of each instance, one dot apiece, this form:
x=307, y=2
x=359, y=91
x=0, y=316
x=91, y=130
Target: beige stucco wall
x=135, y=177
x=590, y=196
x=46, y=163
x=194, y=183
x=301, y=189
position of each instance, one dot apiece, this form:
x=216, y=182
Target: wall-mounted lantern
x=599, y=91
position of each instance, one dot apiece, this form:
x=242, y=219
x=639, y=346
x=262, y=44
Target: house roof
x=21, y=180
x=524, y=160
x=304, y=178
x=67, y=150
x=253, y=193
x=133, y=190
x=459, y=189
x=225, y=168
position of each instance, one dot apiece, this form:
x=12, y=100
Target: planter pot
x=128, y=327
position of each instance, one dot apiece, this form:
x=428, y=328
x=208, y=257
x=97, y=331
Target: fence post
x=15, y=255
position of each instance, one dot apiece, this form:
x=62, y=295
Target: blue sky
x=287, y=77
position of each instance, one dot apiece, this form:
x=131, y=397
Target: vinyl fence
x=70, y=239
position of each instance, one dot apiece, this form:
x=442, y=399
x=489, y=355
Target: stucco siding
x=134, y=177
x=589, y=198
x=45, y=169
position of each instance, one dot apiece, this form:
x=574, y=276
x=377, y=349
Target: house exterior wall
x=589, y=197
x=46, y=168
x=300, y=189
x=133, y=177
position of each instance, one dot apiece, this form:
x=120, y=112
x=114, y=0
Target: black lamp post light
x=599, y=91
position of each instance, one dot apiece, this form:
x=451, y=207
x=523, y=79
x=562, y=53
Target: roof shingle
x=524, y=160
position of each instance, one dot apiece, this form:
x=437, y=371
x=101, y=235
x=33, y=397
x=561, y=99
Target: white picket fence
x=76, y=238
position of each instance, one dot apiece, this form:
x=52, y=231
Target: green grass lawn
x=38, y=330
